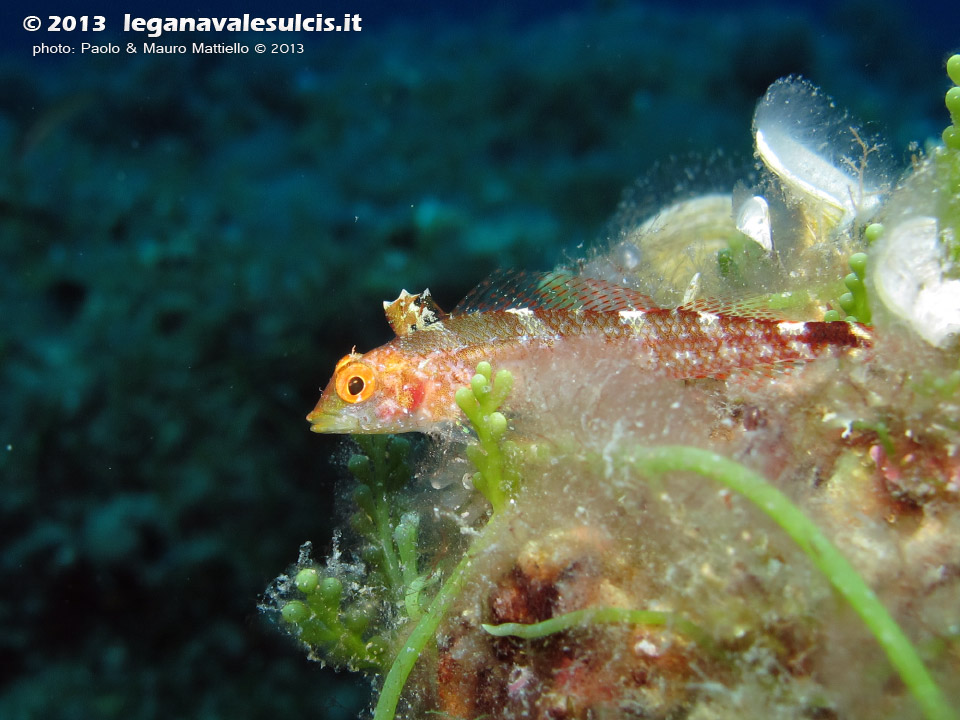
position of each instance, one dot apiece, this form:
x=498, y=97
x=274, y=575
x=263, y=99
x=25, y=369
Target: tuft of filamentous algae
x=777, y=544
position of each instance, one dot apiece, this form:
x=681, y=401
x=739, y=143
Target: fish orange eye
x=355, y=382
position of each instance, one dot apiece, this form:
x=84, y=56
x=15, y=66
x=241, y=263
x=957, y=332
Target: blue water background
x=187, y=245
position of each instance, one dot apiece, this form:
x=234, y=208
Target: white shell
x=683, y=238
x=908, y=277
x=816, y=152
x=753, y=220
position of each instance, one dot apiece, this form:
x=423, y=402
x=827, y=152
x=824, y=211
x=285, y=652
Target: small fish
x=409, y=383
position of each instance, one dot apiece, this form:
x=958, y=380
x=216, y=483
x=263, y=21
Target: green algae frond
x=321, y=623
x=841, y=574
x=655, y=462
x=951, y=135
x=331, y=610
x=864, y=443
x=480, y=403
x=600, y=616
x=854, y=303
x=949, y=162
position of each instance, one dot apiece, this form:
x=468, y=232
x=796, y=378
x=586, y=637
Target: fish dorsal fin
x=750, y=308
x=559, y=290
x=409, y=313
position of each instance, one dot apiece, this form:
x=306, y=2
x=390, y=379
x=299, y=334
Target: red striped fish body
x=409, y=383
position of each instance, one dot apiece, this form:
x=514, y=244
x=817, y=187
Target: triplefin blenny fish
x=408, y=384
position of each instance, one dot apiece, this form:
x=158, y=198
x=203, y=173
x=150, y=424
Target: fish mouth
x=321, y=422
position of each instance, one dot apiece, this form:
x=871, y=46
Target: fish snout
x=324, y=419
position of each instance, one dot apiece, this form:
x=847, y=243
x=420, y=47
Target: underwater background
x=189, y=242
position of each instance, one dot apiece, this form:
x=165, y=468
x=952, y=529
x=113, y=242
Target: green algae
x=845, y=579
x=498, y=478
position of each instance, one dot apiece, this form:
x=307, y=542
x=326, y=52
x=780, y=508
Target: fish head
x=370, y=393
